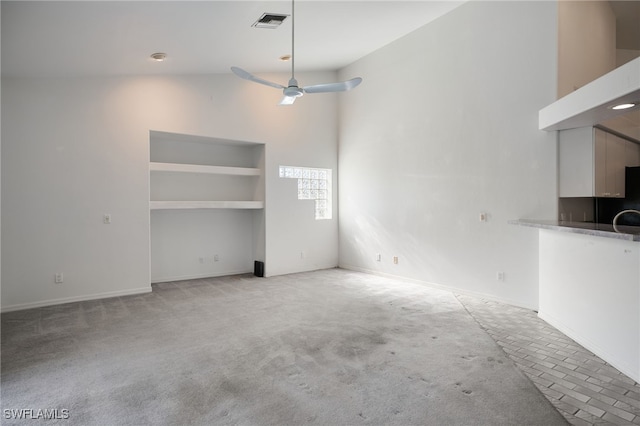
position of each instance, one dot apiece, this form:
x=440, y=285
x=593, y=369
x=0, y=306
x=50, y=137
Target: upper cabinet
x=592, y=163
x=609, y=167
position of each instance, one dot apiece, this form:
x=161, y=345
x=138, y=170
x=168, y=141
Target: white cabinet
x=609, y=164
x=592, y=163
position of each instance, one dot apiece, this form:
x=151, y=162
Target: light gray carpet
x=330, y=348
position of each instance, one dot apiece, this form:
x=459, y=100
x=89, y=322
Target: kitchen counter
x=627, y=233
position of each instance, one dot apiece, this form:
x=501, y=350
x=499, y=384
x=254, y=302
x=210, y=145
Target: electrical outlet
x=483, y=217
x=302, y=255
x=395, y=260
x=58, y=278
x=500, y=276
x=106, y=219
x=216, y=258
x=201, y=259
x=378, y=257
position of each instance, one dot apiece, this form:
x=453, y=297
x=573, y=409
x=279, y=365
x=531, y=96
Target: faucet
x=615, y=219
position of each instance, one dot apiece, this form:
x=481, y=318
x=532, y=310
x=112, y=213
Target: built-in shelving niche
x=206, y=201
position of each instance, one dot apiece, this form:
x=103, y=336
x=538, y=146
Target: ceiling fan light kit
x=292, y=90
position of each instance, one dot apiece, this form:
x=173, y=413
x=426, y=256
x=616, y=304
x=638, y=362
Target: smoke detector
x=270, y=20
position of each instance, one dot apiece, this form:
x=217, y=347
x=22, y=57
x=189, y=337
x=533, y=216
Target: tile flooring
x=584, y=388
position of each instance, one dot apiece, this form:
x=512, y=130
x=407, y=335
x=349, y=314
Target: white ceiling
x=116, y=37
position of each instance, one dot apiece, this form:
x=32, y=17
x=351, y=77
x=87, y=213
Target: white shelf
x=194, y=168
x=182, y=205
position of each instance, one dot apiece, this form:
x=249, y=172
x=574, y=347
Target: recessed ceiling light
x=623, y=106
x=159, y=56
x=285, y=58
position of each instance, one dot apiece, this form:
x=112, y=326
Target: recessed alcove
x=206, y=201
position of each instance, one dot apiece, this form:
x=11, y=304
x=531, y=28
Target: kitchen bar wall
x=590, y=290
x=444, y=128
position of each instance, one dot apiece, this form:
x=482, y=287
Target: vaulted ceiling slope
x=117, y=37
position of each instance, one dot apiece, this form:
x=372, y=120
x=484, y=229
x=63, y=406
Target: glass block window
x=313, y=184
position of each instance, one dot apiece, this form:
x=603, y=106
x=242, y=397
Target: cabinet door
x=615, y=165
x=632, y=155
x=576, y=160
x=600, y=163
x=609, y=164
x=592, y=163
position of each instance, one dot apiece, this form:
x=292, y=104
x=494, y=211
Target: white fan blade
x=248, y=76
x=333, y=87
x=287, y=100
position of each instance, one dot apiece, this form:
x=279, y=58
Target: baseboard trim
x=270, y=272
x=63, y=300
x=441, y=287
x=199, y=276
x=630, y=370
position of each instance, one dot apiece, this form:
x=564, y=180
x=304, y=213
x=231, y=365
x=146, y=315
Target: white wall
x=444, y=127
x=76, y=148
x=184, y=243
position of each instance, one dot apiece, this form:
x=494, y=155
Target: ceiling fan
x=292, y=90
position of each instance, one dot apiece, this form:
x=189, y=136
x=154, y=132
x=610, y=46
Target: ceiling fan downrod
x=292, y=91
x=293, y=40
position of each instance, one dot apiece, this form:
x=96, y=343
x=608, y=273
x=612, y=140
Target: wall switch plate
x=58, y=278
x=106, y=219
x=378, y=257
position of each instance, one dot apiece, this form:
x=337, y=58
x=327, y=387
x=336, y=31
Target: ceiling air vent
x=270, y=20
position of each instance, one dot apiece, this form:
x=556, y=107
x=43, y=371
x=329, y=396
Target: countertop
x=628, y=233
